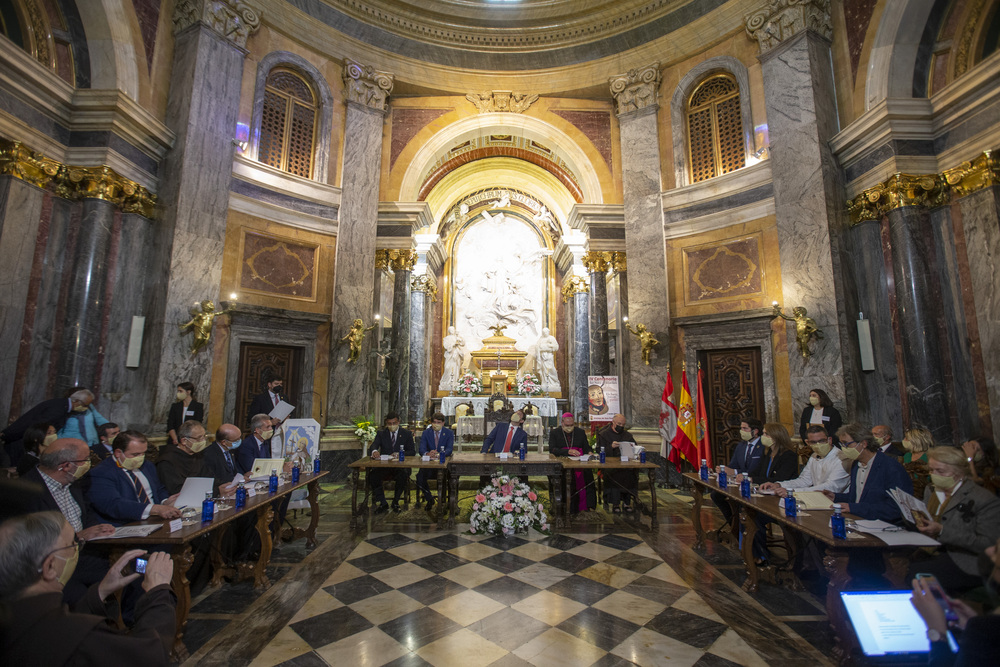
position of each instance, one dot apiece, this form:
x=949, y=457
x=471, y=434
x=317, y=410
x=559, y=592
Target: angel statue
x=355, y=337
x=646, y=339
x=805, y=327
x=201, y=323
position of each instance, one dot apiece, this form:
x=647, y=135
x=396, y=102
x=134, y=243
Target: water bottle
x=207, y=508
x=272, y=482
x=523, y=452
x=241, y=496
x=723, y=478
x=295, y=473
x=602, y=455
x=642, y=456
x=791, y=508
x=402, y=455
x=704, y=470
x=442, y=456
x=745, y=487
x=838, y=524
x=316, y=465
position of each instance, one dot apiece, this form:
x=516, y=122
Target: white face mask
x=849, y=453
x=393, y=428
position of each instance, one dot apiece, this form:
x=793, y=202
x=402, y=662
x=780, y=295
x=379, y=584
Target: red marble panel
x=148, y=13
x=278, y=266
x=595, y=125
x=405, y=125
x=857, y=16
x=724, y=271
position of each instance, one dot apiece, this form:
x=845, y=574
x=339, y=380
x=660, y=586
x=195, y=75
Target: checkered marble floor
x=450, y=598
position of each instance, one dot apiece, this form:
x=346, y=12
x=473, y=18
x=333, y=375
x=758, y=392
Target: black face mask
x=276, y=390
x=616, y=428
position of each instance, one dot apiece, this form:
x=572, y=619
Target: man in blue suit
x=257, y=445
x=124, y=487
x=435, y=440
x=746, y=460
x=873, y=474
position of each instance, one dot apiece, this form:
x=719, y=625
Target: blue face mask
x=236, y=444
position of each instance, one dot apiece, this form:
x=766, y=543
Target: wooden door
x=734, y=390
x=259, y=364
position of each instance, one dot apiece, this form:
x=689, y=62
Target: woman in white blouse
x=819, y=412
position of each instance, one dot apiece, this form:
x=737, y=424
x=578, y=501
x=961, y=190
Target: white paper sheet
x=193, y=492
x=281, y=410
x=131, y=531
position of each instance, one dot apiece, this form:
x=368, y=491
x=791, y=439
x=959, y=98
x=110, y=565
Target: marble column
x=422, y=292
x=205, y=85
x=597, y=266
x=367, y=90
x=402, y=262
x=619, y=274
x=808, y=194
x=636, y=94
x=577, y=290
x=83, y=313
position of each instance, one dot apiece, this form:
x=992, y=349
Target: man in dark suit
x=54, y=411
x=873, y=474
x=434, y=440
x=883, y=438
x=106, y=434
x=746, y=460
x=183, y=460
x=125, y=487
x=266, y=401
x=64, y=462
x=220, y=461
x=257, y=445
x=505, y=438
x=389, y=441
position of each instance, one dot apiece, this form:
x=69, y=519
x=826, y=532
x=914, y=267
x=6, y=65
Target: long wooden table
x=182, y=555
x=847, y=561
x=569, y=466
x=485, y=465
x=368, y=463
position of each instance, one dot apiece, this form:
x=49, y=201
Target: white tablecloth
x=546, y=406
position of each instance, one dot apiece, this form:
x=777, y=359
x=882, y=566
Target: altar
x=546, y=405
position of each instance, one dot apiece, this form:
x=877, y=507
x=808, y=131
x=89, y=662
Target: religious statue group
x=543, y=354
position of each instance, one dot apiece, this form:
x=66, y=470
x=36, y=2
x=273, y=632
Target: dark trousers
x=722, y=503
x=422, y=488
x=377, y=477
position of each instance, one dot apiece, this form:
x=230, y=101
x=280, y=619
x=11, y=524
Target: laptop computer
x=888, y=628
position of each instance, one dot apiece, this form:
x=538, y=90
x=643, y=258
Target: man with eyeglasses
x=183, y=460
x=38, y=554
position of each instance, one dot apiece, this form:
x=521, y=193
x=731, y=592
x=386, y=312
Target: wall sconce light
x=242, y=136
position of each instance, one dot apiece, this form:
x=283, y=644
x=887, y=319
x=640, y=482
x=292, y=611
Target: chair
x=920, y=473
x=462, y=410
x=533, y=426
x=498, y=409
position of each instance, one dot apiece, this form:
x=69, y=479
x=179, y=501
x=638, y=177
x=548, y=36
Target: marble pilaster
x=399, y=342
x=635, y=97
x=351, y=385
x=597, y=267
x=808, y=195
x=576, y=291
x=421, y=293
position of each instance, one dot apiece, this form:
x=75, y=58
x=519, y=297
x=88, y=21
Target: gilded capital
x=899, y=190
x=502, y=101
x=619, y=263
x=394, y=259
x=575, y=285
x=597, y=262
x=781, y=19
x=234, y=20
x=636, y=89
x=974, y=175
x=21, y=162
x=425, y=283
x=366, y=85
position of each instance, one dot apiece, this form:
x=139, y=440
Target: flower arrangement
x=365, y=429
x=529, y=384
x=507, y=506
x=469, y=384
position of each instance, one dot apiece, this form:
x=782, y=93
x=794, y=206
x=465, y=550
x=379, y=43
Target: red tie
x=275, y=400
x=510, y=436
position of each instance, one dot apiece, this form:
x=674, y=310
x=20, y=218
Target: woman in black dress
x=36, y=438
x=780, y=463
x=570, y=440
x=186, y=408
x=819, y=411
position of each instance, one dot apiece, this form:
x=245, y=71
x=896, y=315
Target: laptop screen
x=887, y=624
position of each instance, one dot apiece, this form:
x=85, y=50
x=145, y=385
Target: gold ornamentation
x=21, y=162
x=646, y=340
x=41, y=38
x=396, y=260
x=619, y=264
x=502, y=101
x=781, y=19
x=974, y=175
x=636, y=89
x=805, y=327
x=355, y=336
x=575, y=285
x=366, y=85
x=233, y=19
x=425, y=283
x=963, y=54
x=497, y=329
x=597, y=262
x=201, y=323
x=928, y=190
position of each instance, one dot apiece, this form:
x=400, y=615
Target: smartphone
x=949, y=613
x=138, y=565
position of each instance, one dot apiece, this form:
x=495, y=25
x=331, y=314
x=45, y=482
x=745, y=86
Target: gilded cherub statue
x=355, y=337
x=805, y=327
x=646, y=339
x=201, y=324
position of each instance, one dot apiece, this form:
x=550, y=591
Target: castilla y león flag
x=684, y=440
x=668, y=422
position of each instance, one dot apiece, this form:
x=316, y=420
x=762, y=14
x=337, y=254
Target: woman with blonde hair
x=916, y=442
x=780, y=463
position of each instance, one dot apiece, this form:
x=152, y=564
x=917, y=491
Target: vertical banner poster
x=301, y=441
x=602, y=397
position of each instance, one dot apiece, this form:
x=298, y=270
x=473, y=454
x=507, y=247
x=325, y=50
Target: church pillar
x=619, y=279
x=401, y=262
x=597, y=266
x=802, y=116
x=367, y=90
x=423, y=291
x=577, y=290
x=635, y=96
x=205, y=81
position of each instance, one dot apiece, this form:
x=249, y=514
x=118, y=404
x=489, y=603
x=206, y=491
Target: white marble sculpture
x=454, y=353
x=503, y=202
x=546, y=360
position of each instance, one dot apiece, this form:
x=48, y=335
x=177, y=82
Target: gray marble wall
x=646, y=251
x=20, y=208
x=399, y=361
x=808, y=197
x=599, y=359
x=351, y=384
x=580, y=363
x=419, y=360
x=981, y=223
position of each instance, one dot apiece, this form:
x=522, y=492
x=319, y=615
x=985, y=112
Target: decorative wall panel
x=278, y=266
x=724, y=271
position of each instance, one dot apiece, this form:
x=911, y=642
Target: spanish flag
x=685, y=439
x=704, y=445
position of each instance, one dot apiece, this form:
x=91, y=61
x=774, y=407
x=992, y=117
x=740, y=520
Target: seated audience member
x=883, y=438
x=36, y=438
x=183, y=460
x=965, y=519
x=257, y=445
x=780, y=463
x=434, y=440
x=389, y=441
x=219, y=460
x=54, y=411
x=621, y=487
x=38, y=554
x=83, y=424
x=916, y=442
x=571, y=440
x=984, y=462
x=873, y=474
x=746, y=460
x=824, y=471
x=125, y=487
x=106, y=433
x=977, y=644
